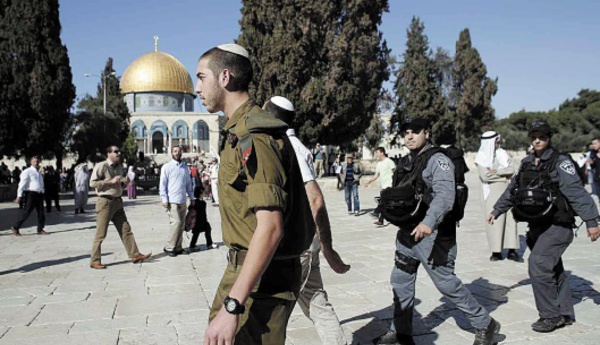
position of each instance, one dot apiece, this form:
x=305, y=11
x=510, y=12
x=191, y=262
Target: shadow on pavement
x=46, y=263
x=491, y=296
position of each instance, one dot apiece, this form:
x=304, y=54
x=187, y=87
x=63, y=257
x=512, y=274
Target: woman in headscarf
x=82, y=187
x=495, y=170
x=131, y=192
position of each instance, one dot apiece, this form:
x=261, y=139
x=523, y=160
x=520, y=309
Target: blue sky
x=542, y=51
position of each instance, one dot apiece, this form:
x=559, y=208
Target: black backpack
x=406, y=203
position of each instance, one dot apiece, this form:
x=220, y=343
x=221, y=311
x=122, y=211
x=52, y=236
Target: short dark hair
x=174, y=146
x=284, y=115
x=380, y=149
x=239, y=67
x=33, y=157
x=596, y=138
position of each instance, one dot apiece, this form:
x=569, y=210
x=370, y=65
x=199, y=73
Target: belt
x=110, y=197
x=237, y=257
x=33, y=191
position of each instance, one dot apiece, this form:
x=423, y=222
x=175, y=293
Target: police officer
x=543, y=192
x=262, y=202
x=429, y=238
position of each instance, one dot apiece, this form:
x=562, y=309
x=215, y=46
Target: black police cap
x=415, y=124
x=540, y=126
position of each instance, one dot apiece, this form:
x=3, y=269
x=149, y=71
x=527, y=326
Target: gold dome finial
x=155, y=43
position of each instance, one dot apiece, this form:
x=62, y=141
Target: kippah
x=235, y=49
x=282, y=102
x=489, y=135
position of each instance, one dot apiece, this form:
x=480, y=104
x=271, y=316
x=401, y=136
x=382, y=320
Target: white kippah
x=235, y=49
x=282, y=102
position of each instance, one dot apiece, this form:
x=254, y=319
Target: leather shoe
x=496, y=257
x=141, y=257
x=514, y=256
x=97, y=265
x=42, y=232
x=15, y=231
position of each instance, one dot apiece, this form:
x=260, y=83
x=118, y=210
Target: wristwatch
x=233, y=306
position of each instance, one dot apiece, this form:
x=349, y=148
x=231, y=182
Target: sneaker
x=512, y=255
x=392, y=337
x=568, y=320
x=496, y=257
x=356, y=213
x=546, y=325
x=485, y=336
x=350, y=212
x=213, y=246
x=378, y=223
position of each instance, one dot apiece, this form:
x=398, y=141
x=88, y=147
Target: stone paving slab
x=48, y=293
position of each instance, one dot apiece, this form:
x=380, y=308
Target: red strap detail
x=246, y=154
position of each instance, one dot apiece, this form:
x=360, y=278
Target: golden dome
x=156, y=72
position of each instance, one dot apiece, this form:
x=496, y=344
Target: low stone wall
x=8, y=192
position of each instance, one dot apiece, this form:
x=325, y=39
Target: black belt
x=32, y=191
x=110, y=197
x=236, y=257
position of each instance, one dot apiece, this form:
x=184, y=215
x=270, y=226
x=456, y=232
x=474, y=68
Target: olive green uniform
x=265, y=178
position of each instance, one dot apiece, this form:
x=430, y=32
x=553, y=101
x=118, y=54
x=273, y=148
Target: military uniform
x=259, y=170
x=548, y=239
x=436, y=252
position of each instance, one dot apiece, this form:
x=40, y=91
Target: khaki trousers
x=503, y=233
x=107, y=211
x=176, y=214
x=314, y=303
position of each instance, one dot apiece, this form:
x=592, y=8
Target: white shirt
x=385, y=168
x=304, y=157
x=214, y=171
x=307, y=168
x=31, y=181
x=175, y=182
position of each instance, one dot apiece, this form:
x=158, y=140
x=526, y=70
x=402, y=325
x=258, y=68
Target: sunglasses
x=117, y=151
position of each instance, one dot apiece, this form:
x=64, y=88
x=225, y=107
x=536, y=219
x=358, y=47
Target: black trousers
x=52, y=196
x=207, y=235
x=33, y=200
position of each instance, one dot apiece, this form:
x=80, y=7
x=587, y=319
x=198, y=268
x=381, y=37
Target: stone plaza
x=49, y=295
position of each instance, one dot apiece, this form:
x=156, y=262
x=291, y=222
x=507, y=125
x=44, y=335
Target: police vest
x=406, y=203
x=537, y=197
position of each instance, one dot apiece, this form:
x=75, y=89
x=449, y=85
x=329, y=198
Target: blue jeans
x=351, y=189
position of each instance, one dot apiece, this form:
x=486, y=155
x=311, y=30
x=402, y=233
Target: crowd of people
x=274, y=219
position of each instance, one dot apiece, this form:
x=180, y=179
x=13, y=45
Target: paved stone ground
x=48, y=293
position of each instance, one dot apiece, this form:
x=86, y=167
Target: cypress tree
x=37, y=90
x=310, y=52
x=417, y=86
x=474, y=92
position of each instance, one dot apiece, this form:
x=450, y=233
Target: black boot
x=485, y=336
x=548, y=325
x=392, y=337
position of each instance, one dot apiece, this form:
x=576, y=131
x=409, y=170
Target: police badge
x=568, y=167
x=444, y=164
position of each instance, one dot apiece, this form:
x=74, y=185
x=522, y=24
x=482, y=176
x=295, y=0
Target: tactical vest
x=537, y=197
x=406, y=203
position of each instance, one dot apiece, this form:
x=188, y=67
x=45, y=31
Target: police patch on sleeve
x=444, y=164
x=568, y=167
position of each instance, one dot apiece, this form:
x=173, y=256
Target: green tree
x=374, y=133
x=37, y=90
x=94, y=130
x=417, y=86
x=473, y=90
x=327, y=57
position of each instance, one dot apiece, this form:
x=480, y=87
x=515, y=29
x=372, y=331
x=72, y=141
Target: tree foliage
x=327, y=57
x=94, y=131
x=37, y=90
x=473, y=90
x=575, y=124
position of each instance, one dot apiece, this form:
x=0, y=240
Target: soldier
x=313, y=297
x=428, y=237
x=107, y=178
x=544, y=192
x=264, y=208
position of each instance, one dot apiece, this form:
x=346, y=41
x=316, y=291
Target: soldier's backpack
x=298, y=221
x=406, y=203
